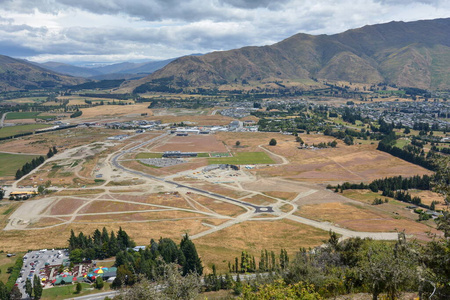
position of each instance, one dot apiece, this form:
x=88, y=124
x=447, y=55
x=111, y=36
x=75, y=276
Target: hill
x=408, y=54
x=21, y=75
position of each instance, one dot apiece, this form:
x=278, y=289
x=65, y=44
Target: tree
x=37, y=287
x=79, y=288
x=238, y=143
x=407, y=130
x=76, y=256
x=99, y=283
x=28, y=287
x=193, y=264
x=273, y=142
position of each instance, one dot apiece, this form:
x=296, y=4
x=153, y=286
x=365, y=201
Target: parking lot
x=34, y=263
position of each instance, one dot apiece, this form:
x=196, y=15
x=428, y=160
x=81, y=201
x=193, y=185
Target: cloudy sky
x=134, y=30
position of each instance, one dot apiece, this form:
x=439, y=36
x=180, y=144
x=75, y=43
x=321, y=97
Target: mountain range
x=17, y=74
x=408, y=54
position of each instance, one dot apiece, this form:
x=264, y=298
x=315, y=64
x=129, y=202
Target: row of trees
x=35, y=162
x=29, y=166
x=98, y=246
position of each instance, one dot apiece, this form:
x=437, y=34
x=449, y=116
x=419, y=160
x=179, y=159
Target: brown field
x=254, y=236
x=66, y=206
x=359, y=218
x=429, y=196
x=157, y=199
x=345, y=163
x=192, y=143
x=220, y=207
x=102, y=206
x=143, y=217
x=221, y=190
x=115, y=110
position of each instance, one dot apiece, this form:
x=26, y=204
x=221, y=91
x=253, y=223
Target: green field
x=25, y=115
x=68, y=291
x=243, y=158
x=9, y=163
x=203, y=155
x=144, y=155
x=13, y=130
x=400, y=143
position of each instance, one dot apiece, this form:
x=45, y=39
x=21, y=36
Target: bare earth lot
x=192, y=143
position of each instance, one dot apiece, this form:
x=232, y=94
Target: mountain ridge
x=18, y=74
x=410, y=54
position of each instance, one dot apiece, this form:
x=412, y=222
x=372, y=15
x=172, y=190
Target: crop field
x=144, y=155
x=25, y=115
x=243, y=158
x=10, y=163
x=13, y=130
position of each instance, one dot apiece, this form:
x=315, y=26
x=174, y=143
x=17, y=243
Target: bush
x=273, y=142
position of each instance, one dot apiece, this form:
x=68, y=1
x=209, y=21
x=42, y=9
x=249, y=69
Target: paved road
x=116, y=163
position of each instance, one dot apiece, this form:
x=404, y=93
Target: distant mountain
x=413, y=54
x=125, y=70
x=70, y=69
x=21, y=75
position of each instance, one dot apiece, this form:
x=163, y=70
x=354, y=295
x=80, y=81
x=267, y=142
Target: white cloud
x=109, y=30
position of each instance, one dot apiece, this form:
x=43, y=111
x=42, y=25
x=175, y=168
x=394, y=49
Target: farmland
x=9, y=163
x=14, y=130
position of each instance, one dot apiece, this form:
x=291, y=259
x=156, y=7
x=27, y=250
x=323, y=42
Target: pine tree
x=37, y=287
x=28, y=287
x=193, y=262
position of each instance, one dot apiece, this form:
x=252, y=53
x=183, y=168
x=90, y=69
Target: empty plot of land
x=359, y=218
x=346, y=163
x=192, y=143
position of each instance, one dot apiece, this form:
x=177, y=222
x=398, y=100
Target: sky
x=111, y=31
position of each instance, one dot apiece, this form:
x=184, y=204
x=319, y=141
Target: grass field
x=243, y=158
x=25, y=115
x=9, y=163
x=13, y=130
x=144, y=155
